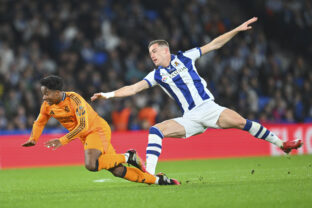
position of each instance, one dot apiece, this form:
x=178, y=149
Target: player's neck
x=61, y=97
x=166, y=62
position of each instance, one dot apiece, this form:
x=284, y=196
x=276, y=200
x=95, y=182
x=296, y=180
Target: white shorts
x=200, y=118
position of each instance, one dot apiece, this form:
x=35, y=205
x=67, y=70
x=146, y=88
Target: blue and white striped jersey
x=181, y=81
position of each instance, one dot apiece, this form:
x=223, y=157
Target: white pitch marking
x=106, y=180
x=102, y=180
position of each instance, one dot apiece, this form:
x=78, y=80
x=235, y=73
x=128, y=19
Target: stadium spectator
x=121, y=116
x=147, y=117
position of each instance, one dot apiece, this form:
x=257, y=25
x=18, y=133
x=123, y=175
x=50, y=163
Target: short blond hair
x=159, y=42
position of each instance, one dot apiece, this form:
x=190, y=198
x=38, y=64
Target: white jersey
x=181, y=81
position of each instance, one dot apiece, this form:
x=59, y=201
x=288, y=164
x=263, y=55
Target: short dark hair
x=52, y=82
x=159, y=42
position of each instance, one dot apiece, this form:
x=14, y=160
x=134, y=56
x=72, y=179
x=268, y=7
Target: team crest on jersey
x=176, y=63
x=66, y=109
x=80, y=111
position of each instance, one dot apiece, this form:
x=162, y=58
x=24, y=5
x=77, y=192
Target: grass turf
x=239, y=182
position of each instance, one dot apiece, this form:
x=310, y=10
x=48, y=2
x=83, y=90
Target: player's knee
x=119, y=171
x=241, y=123
x=157, y=129
x=92, y=166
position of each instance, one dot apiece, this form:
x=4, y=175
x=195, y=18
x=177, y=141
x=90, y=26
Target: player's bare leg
x=230, y=119
x=171, y=128
x=91, y=159
x=168, y=128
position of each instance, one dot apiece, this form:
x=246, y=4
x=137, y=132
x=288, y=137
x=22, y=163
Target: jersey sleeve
x=40, y=123
x=193, y=54
x=150, y=79
x=81, y=114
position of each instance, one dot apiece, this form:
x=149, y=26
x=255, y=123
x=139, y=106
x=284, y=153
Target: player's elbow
x=132, y=90
x=218, y=47
x=216, y=44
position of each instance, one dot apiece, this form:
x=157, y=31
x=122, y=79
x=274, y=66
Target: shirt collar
x=64, y=96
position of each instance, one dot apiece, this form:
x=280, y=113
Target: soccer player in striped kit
x=178, y=77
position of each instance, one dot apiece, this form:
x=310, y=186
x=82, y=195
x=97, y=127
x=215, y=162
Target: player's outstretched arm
x=38, y=127
x=222, y=39
x=122, y=92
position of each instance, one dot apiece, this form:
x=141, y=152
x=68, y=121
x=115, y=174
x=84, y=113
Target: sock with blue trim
x=153, y=149
x=259, y=131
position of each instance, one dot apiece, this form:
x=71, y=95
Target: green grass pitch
x=237, y=182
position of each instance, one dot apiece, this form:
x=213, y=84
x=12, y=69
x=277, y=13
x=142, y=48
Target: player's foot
x=164, y=180
x=135, y=160
x=290, y=145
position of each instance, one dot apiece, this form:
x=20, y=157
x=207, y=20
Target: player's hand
x=96, y=96
x=102, y=95
x=29, y=143
x=246, y=25
x=53, y=143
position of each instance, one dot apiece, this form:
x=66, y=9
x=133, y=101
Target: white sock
x=153, y=149
x=272, y=138
x=157, y=180
x=126, y=156
x=151, y=163
x=259, y=131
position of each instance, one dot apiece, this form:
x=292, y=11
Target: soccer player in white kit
x=178, y=77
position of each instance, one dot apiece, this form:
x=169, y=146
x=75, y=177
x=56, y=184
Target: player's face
x=159, y=54
x=50, y=96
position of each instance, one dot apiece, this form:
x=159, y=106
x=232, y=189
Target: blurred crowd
x=293, y=17
x=101, y=45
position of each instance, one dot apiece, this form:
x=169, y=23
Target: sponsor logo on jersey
x=164, y=77
x=177, y=72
